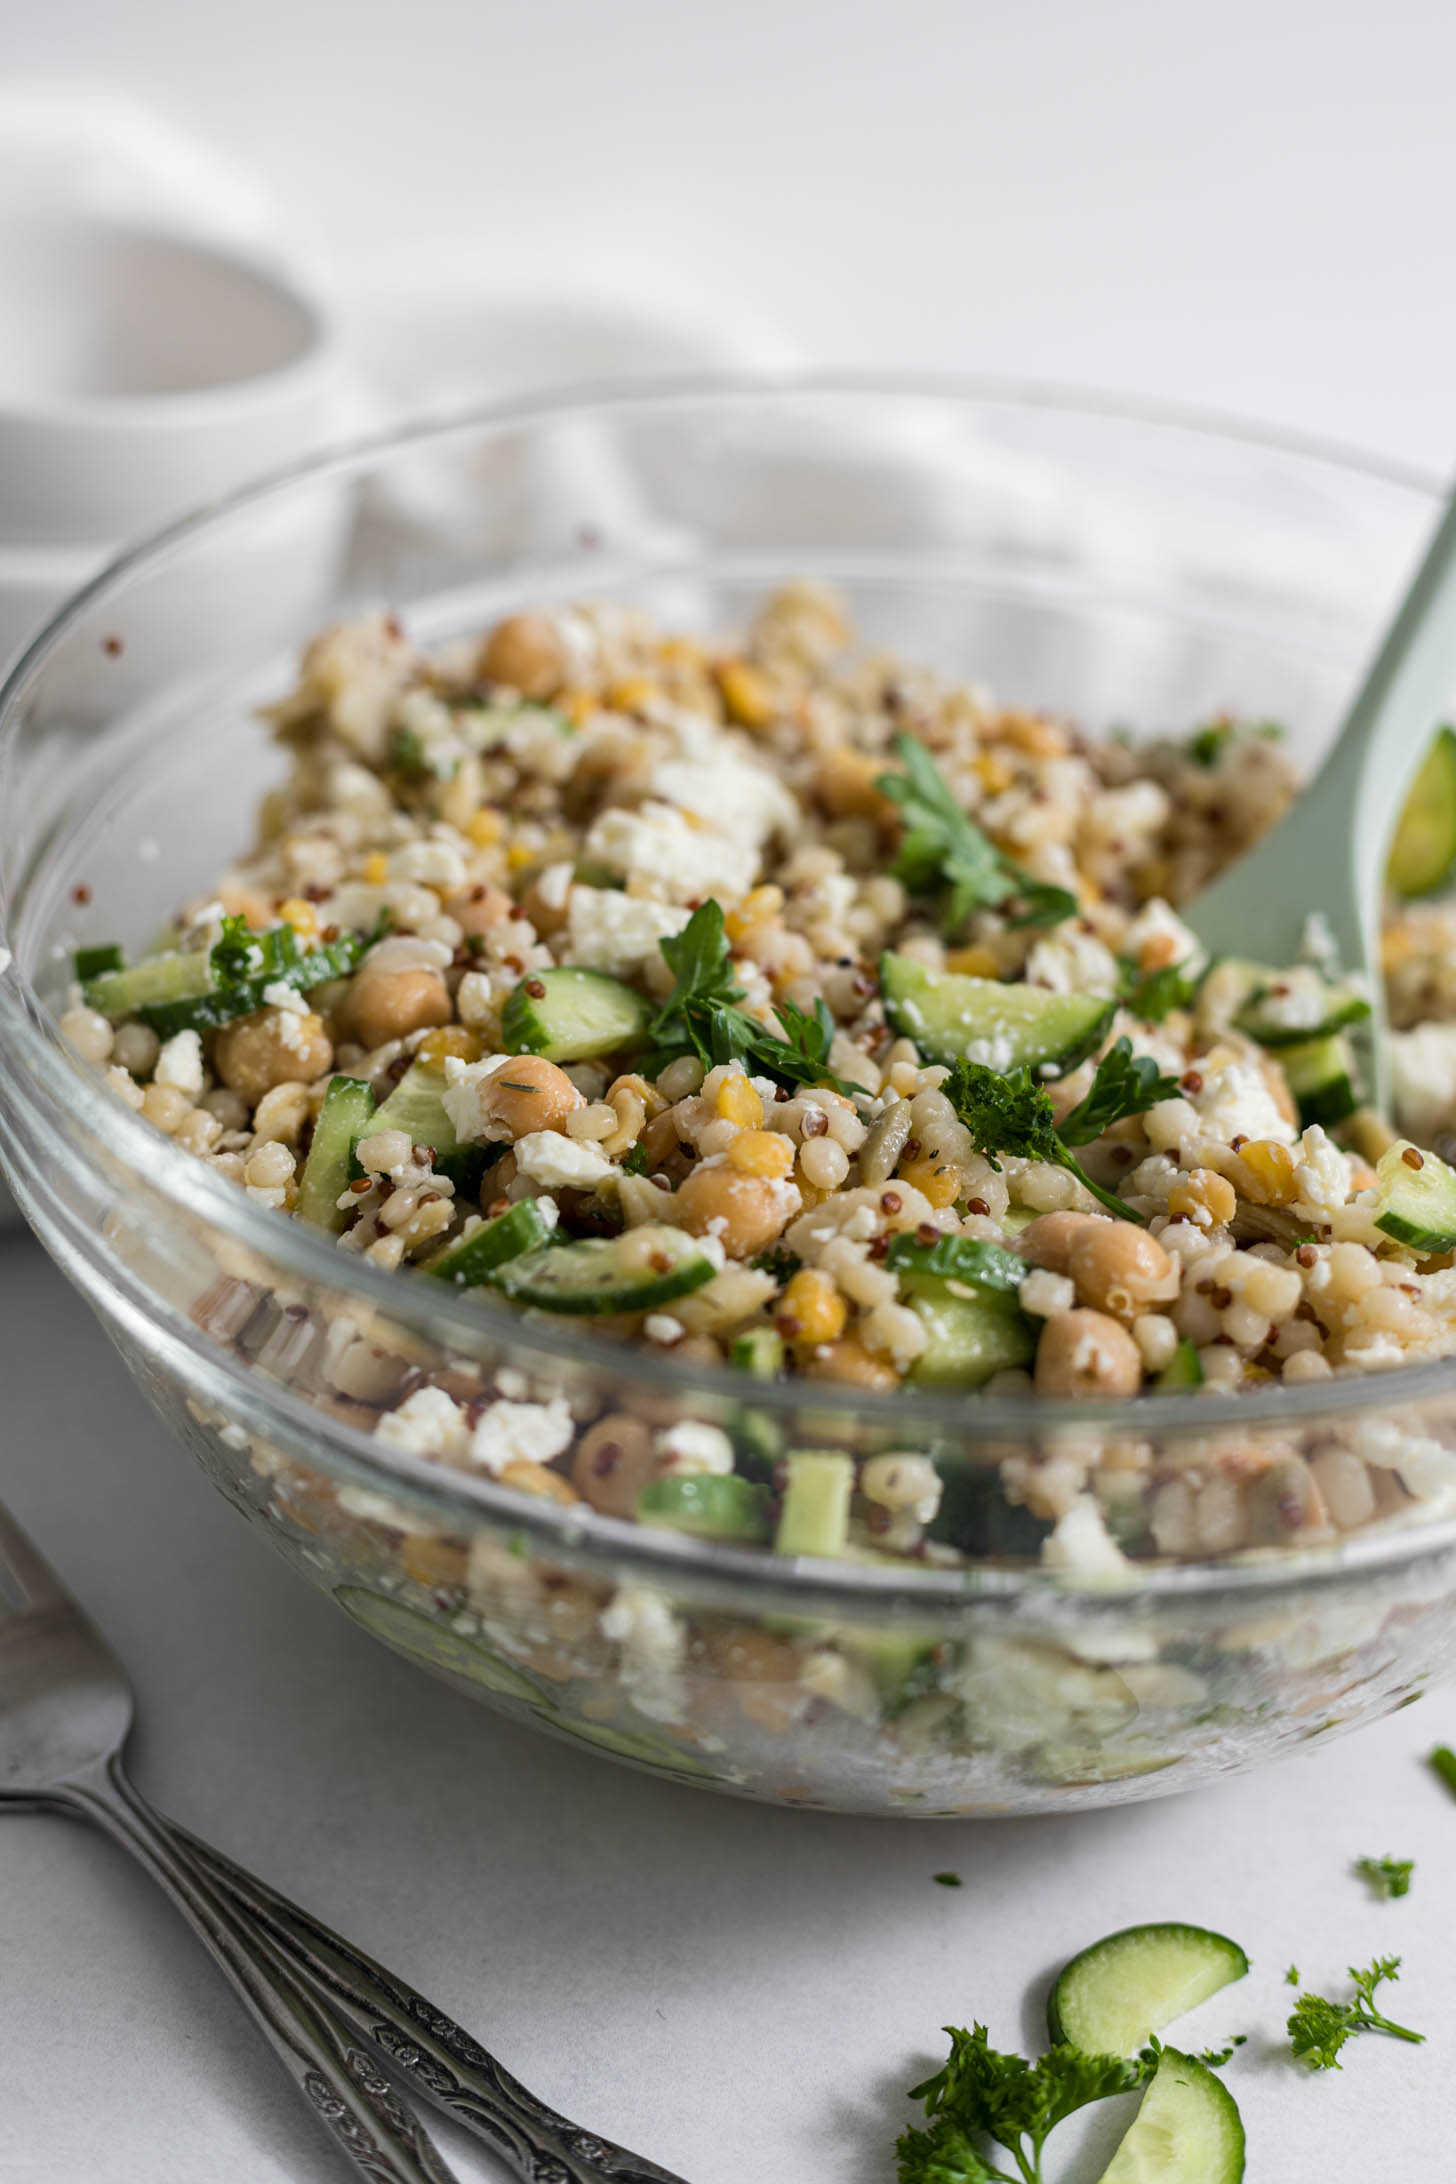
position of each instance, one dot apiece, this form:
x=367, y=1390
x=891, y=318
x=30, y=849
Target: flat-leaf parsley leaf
x=701, y=1015
x=1013, y=1114
x=942, y=851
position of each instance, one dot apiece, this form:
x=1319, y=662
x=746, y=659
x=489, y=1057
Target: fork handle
x=315, y=2043
x=426, y=2047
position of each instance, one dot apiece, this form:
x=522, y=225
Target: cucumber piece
x=760, y=1353
x=995, y=1274
x=953, y=1018
x=1188, y=2130
x=814, y=1519
x=1113, y=1996
x=343, y=1119
x=1415, y=1198
x=474, y=1258
x=570, y=1015
x=417, y=1106
x=422, y=1638
x=1294, y=1007
x=709, y=1506
x=1181, y=1371
x=1423, y=850
x=1320, y=1074
x=205, y=987
x=91, y=963
x=590, y=1277
x=970, y=1338
x=151, y=984
x=758, y=1442
x=660, y=1754
x=975, y=1516
x=905, y=1664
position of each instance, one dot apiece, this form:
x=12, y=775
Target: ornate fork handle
x=316, y=2043
x=425, y=2046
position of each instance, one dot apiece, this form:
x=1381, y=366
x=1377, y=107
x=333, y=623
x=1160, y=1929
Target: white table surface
x=742, y=1993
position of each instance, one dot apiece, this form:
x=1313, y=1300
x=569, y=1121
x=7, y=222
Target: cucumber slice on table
x=474, y=1258
x=592, y=1277
x=953, y=1018
x=343, y=1119
x=422, y=1638
x=1187, y=2131
x=1265, y=1016
x=814, y=1519
x=1320, y=1074
x=570, y=1015
x=1423, y=853
x=417, y=1106
x=1181, y=1371
x=710, y=1506
x=1112, y=1997
x=1415, y=1198
x=970, y=1336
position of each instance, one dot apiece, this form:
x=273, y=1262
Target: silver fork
x=65, y=1711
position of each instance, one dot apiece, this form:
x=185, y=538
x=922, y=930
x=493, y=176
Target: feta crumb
x=1423, y=1078
x=1081, y=1544
x=427, y=1423
x=1073, y=962
x=1044, y=1293
x=1236, y=1102
x=511, y=1433
x=662, y=1328
x=280, y=995
x=690, y=1448
x=659, y=847
x=653, y=1644
x=554, y=884
x=1157, y=921
x=1323, y=1177
x=558, y=1162
x=618, y=933
x=180, y=1064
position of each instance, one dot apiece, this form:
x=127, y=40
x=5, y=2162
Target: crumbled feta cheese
x=1423, y=1078
x=998, y=1052
x=554, y=884
x=1044, y=1293
x=1069, y=961
x=653, y=1643
x=461, y=1096
x=1296, y=1001
x=661, y=1327
x=1081, y=1544
x=618, y=933
x=511, y=1433
x=1236, y=1102
x=730, y=794
x=180, y=1064
x=1157, y=921
x=427, y=1423
x=1322, y=1177
x=280, y=995
x=691, y=1448
x=429, y=864
x=558, y=1162
x=659, y=847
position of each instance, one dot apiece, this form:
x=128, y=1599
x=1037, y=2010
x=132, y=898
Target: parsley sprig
x=1155, y=994
x=1013, y=1114
x=1319, y=2028
x=982, y=2095
x=943, y=852
x=1387, y=1876
x=701, y=1015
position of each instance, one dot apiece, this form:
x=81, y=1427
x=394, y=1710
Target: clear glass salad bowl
x=1133, y=569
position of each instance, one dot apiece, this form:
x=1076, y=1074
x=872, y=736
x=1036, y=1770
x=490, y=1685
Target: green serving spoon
x=1326, y=857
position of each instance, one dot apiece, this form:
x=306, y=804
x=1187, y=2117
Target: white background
x=1249, y=207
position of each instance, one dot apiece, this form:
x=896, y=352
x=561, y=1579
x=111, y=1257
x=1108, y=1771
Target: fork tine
x=37, y=1581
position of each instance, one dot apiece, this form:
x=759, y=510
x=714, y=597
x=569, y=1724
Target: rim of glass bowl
x=450, y=1318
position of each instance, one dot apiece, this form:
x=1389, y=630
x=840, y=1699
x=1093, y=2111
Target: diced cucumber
x=952, y=1018
x=1187, y=2131
x=417, y=1106
x=759, y=1352
x=1113, y=1996
x=1181, y=1371
x=814, y=1519
x=975, y=1515
x=89, y=963
x=1423, y=851
x=149, y=984
x=710, y=1506
x=343, y=1119
x=570, y=1015
x=758, y=1441
x=1415, y=1198
x=592, y=1276
x=905, y=1664
x=433, y=1642
x=970, y=1337
x=474, y=1258
x=1320, y=1074
x=994, y=1273
x=202, y=988
x=1295, y=1007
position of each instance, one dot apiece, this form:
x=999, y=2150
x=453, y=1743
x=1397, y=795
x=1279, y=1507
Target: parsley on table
x=701, y=1015
x=946, y=1880
x=1215, y=2058
x=1387, y=1876
x=1319, y=2028
x=1443, y=1759
x=1013, y=1114
x=942, y=851
x=981, y=2095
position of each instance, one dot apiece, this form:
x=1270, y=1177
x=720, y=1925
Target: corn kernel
x=529, y=1477
x=432, y=1559
x=812, y=1310
x=972, y=962
x=1203, y=1192
x=994, y=773
x=1272, y=1167
x=519, y=855
x=746, y=694
x=300, y=915
x=848, y=782
x=376, y=868
x=761, y=1152
x=485, y=828
x=451, y=1040
x=738, y=1102
x=758, y=905
x=633, y=694
x=578, y=706
x=936, y=1180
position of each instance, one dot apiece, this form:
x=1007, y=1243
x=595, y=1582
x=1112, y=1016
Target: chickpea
x=1119, y=1268
x=1086, y=1353
x=272, y=1046
x=751, y=1208
x=527, y=1093
x=1047, y=1241
x=385, y=1005
x=478, y=909
x=613, y=1462
x=525, y=652
x=850, y=1362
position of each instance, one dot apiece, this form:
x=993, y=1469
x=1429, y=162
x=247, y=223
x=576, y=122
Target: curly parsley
x=944, y=853
x=1319, y=2028
x=1387, y=1876
x=982, y=2095
x=1013, y=1114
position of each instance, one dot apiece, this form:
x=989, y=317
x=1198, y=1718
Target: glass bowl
x=1130, y=568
